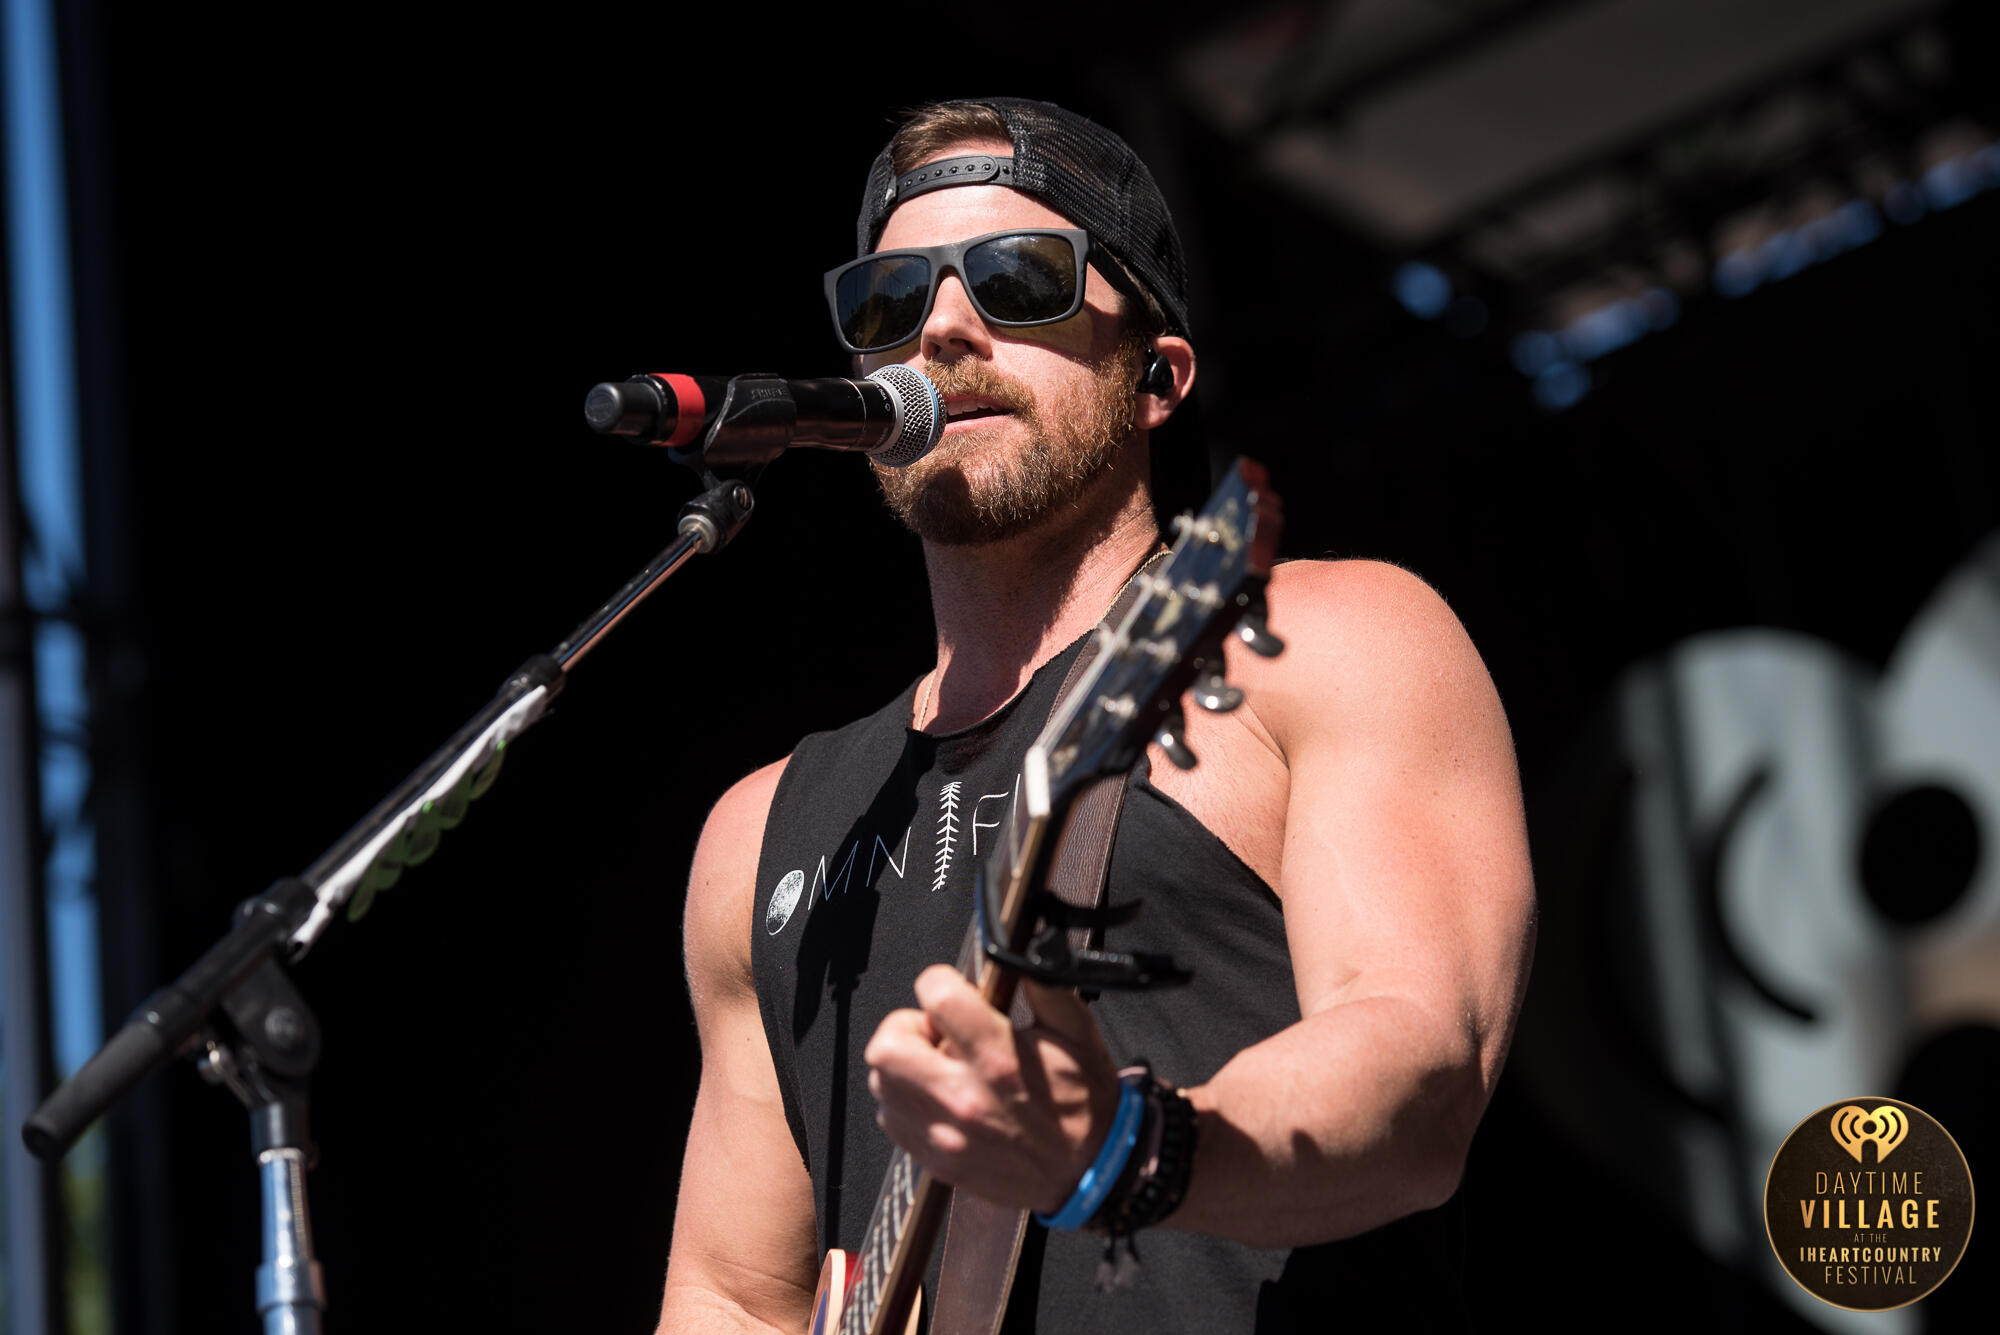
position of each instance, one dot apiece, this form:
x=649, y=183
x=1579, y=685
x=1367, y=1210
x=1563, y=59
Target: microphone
x=895, y=416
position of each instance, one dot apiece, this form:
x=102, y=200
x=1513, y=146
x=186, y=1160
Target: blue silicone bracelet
x=1100, y=1177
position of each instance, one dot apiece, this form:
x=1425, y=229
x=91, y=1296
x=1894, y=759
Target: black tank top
x=865, y=878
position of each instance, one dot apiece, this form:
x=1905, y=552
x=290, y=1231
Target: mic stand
x=276, y=1040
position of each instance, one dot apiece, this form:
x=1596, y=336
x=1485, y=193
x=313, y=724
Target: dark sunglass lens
x=882, y=301
x=1023, y=278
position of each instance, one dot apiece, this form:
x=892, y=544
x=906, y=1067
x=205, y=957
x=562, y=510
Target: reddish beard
x=1071, y=442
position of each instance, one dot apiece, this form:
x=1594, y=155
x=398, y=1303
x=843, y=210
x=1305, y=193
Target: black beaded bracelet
x=1155, y=1180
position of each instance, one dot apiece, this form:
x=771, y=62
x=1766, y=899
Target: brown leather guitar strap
x=982, y=1241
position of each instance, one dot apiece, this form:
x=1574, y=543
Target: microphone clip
x=713, y=518
x=752, y=426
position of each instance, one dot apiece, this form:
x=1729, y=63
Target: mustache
x=974, y=377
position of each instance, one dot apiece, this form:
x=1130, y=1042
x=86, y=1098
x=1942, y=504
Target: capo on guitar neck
x=1050, y=958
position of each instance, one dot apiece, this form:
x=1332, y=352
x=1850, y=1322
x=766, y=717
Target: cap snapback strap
x=976, y=169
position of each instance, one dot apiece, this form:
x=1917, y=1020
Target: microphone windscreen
x=919, y=416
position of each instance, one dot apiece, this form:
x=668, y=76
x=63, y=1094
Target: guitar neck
x=910, y=1208
x=1127, y=696
x=888, y=1268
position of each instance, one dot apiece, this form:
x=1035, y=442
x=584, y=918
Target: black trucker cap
x=1075, y=166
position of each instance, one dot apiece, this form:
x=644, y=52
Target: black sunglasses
x=1014, y=279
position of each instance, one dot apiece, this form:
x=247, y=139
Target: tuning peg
x=1253, y=632
x=1172, y=739
x=1216, y=695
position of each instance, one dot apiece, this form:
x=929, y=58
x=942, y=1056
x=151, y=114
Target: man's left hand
x=1012, y=1115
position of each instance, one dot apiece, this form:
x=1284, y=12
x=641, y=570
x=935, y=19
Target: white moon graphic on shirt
x=783, y=900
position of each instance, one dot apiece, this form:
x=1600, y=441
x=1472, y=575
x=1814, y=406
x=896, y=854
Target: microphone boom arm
x=401, y=830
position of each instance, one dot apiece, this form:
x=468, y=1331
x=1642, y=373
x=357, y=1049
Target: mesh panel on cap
x=1084, y=172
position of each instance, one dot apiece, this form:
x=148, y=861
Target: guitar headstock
x=1209, y=589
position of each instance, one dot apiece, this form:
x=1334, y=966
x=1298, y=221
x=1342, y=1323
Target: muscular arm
x=1409, y=912
x=743, y=1250
x=1402, y=861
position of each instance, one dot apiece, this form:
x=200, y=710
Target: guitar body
x=828, y=1299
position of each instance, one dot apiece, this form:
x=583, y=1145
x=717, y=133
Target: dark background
x=347, y=280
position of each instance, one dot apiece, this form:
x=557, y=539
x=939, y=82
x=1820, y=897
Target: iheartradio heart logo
x=1854, y=1127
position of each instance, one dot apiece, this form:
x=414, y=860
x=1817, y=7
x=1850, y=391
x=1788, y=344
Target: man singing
x=1345, y=870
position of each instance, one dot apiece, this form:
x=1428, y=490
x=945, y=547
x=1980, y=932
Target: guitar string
x=900, y=1198
x=862, y=1310
x=892, y=1210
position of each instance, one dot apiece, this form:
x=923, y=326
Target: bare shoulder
x=1378, y=687
x=742, y=810
x=1354, y=587
x=1366, y=644
x=1361, y=608
x=722, y=885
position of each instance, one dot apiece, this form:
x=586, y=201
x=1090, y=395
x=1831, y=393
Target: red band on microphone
x=691, y=408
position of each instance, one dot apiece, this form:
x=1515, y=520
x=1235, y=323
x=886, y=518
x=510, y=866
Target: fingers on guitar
x=970, y=1028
